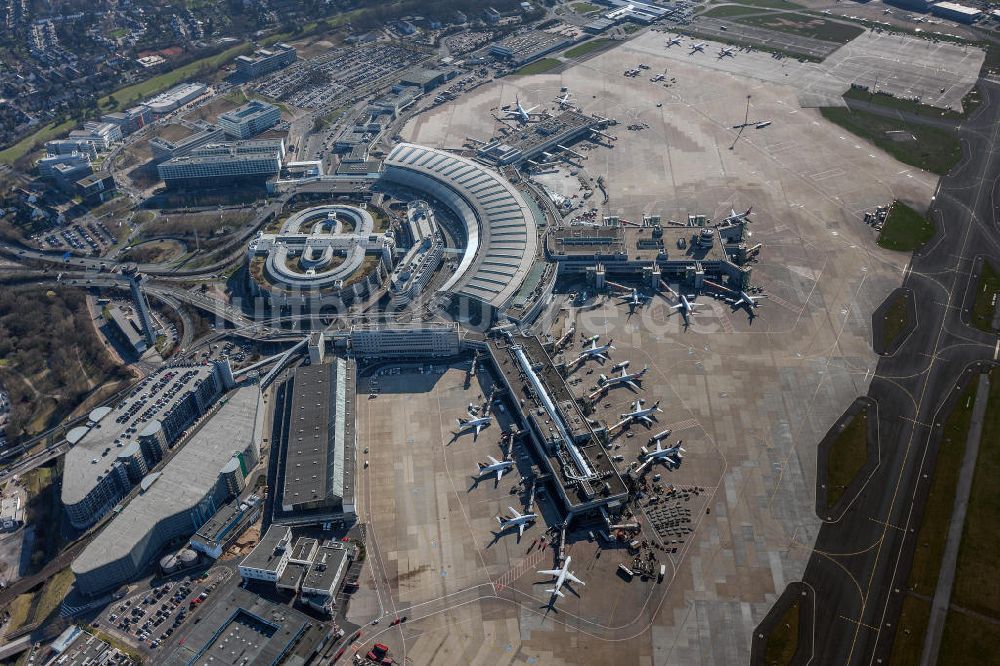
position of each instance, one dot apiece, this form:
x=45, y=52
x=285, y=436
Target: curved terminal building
x=322, y=253
x=500, y=226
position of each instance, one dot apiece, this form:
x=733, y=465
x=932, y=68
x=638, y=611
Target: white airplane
x=700, y=46
x=886, y=11
x=628, y=379
x=673, y=41
x=564, y=100
x=762, y=124
x=747, y=301
x=727, y=51
x=516, y=519
x=475, y=421
x=733, y=216
x=640, y=413
x=519, y=113
x=596, y=351
x=591, y=340
x=685, y=307
x=658, y=77
x=495, y=466
x=634, y=300
x=562, y=576
x=620, y=366
x=671, y=455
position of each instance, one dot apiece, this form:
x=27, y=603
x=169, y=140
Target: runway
x=861, y=559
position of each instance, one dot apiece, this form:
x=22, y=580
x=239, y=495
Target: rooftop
x=248, y=111
x=151, y=399
x=501, y=230
x=266, y=554
x=185, y=480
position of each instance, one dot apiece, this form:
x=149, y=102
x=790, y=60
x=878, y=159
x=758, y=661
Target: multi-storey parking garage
x=500, y=227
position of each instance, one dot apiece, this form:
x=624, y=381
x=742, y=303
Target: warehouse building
x=956, y=12
x=524, y=47
x=119, y=445
x=250, y=119
x=317, y=468
x=265, y=61
x=175, y=502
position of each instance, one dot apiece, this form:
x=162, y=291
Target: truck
x=625, y=571
x=663, y=572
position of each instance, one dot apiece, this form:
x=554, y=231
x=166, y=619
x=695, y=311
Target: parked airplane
x=516, y=519
x=495, y=466
x=620, y=366
x=596, y=351
x=634, y=300
x=727, y=51
x=519, y=113
x=591, y=340
x=671, y=455
x=658, y=77
x=735, y=217
x=562, y=576
x=476, y=421
x=700, y=46
x=685, y=307
x=673, y=41
x=762, y=124
x=564, y=100
x=747, y=301
x=640, y=413
x=632, y=380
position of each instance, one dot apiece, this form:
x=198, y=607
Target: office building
x=250, y=119
x=70, y=146
x=76, y=164
x=126, y=331
x=103, y=466
x=96, y=188
x=405, y=340
x=246, y=162
x=102, y=135
x=204, y=133
x=130, y=120
x=175, y=98
x=173, y=503
x=265, y=61
x=316, y=475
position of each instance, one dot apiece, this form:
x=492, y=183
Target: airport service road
x=862, y=558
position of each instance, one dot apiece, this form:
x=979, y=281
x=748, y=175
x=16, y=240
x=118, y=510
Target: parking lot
x=148, y=619
x=85, y=237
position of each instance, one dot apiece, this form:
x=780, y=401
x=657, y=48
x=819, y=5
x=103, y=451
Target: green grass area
x=932, y=534
x=784, y=638
x=27, y=144
x=986, y=295
x=729, y=11
x=932, y=149
x=32, y=607
x=847, y=455
x=806, y=26
x=969, y=640
x=897, y=318
x=537, y=67
x=131, y=94
x=905, y=229
x=970, y=103
x=977, y=586
x=584, y=7
x=586, y=47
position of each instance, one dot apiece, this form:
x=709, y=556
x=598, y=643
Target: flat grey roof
x=500, y=228
x=80, y=474
x=319, y=436
x=184, y=482
x=242, y=628
x=264, y=556
x=323, y=572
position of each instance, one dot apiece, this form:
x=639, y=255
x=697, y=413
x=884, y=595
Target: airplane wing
x=555, y=591
x=478, y=428
x=493, y=461
x=632, y=384
x=500, y=471
x=514, y=511
x=646, y=419
x=550, y=572
x=573, y=578
x=520, y=530
x=675, y=307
